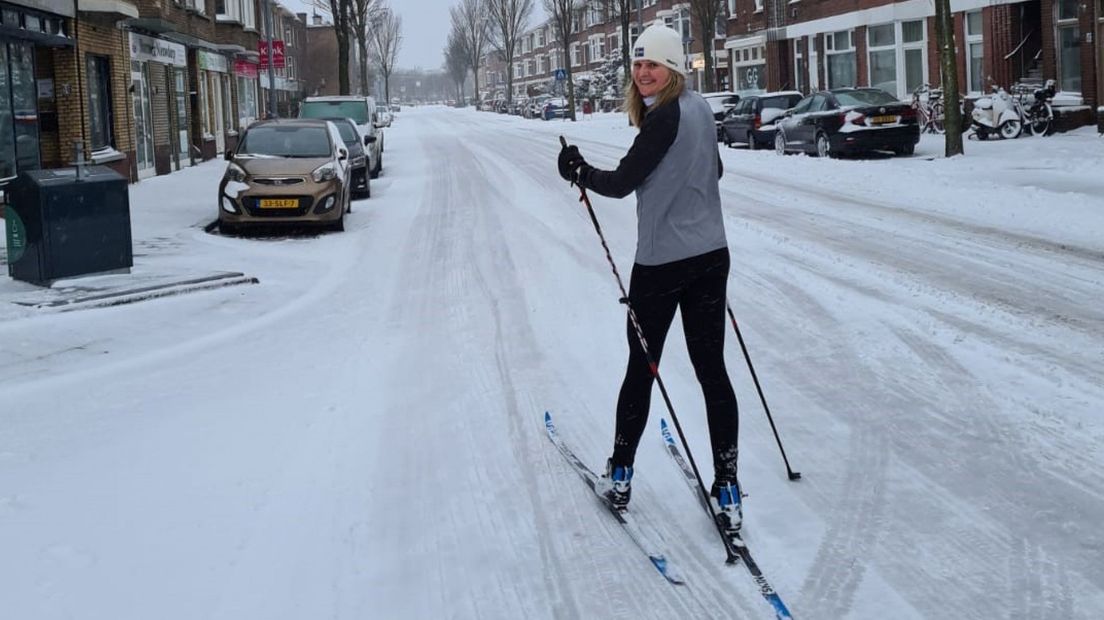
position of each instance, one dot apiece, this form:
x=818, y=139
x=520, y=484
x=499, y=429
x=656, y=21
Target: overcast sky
x=425, y=28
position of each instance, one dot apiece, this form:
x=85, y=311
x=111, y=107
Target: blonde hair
x=634, y=103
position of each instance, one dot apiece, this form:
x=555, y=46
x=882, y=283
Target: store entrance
x=18, y=110
x=143, y=119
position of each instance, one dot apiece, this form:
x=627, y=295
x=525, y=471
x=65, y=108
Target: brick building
x=146, y=86
x=809, y=44
x=321, y=57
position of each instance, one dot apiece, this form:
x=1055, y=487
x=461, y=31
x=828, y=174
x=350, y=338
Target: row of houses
x=146, y=87
x=769, y=45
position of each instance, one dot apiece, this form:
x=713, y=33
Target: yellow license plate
x=883, y=120
x=279, y=203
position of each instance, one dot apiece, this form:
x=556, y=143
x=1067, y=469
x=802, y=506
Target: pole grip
x=563, y=142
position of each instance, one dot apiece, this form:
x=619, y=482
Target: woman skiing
x=682, y=257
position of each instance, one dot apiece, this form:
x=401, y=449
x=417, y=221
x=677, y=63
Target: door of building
x=180, y=89
x=18, y=109
x=143, y=119
x=214, y=91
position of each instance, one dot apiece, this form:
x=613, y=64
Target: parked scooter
x=998, y=113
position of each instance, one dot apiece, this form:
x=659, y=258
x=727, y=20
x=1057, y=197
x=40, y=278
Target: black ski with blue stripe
x=734, y=544
x=633, y=529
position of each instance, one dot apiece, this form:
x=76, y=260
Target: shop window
x=101, y=125
x=975, y=53
x=18, y=108
x=749, y=70
x=840, y=52
x=7, y=119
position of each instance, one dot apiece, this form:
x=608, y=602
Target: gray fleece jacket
x=674, y=167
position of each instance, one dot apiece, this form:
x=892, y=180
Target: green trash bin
x=59, y=226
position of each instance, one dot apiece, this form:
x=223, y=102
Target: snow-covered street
x=360, y=434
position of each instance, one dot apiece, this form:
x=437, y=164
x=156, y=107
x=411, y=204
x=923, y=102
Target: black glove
x=569, y=163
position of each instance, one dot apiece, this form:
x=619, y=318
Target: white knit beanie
x=661, y=45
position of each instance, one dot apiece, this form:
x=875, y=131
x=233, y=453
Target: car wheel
x=725, y=139
x=823, y=146
x=907, y=149
x=228, y=229
x=379, y=166
x=780, y=142
x=752, y=144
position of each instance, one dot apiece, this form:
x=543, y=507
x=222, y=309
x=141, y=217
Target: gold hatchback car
x=286, y=172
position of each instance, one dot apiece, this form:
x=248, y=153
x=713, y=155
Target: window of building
x=799, y=66
x=750, y=70
x=1069, y=45
x=575, y=55
x=758, y=6
x=199, y=6
x=18, y=109
x=540, y=38
x=840, y=51
x=247, y=101
x=975, y=53
x=732, y=9
x=896, y=57
x=101, y=123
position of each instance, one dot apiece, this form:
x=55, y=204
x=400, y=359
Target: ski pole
x=793, y=475
x=652, y=365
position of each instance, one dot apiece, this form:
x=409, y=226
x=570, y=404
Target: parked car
x=360, y=110
x=554, y=108
x=535, y=107
x=848, y=120
x=751, y=121
x=358, y=158
x=720, y=103
x=288, y=171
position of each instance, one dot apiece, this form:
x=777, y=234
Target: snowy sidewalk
x=166, y=213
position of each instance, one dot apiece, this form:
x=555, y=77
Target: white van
x=360, y=110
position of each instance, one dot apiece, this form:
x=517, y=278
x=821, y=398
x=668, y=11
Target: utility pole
x=267, y=7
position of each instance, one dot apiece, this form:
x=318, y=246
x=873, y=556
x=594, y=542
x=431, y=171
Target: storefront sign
x=245, y=69
x=212, y=62
x=278, y=61
x=149, y=49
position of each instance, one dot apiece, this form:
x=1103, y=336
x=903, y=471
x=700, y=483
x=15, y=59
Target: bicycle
x=928, y=103
x=1039, y=116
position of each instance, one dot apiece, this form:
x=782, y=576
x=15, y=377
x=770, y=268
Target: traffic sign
x=560, y=75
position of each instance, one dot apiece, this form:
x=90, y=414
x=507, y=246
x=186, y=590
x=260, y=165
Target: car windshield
x=864, y=97
x=286, y=141
x=355, y=110
x=347, y=131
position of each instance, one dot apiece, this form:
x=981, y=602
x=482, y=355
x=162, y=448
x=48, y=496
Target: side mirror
x=342, y=154
x=228, y=155
x=368, y=140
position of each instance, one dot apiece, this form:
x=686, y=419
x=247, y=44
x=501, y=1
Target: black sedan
x=358, y=159
x=847, y=121
x=751, y=121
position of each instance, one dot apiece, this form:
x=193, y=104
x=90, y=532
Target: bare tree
x=509, y=18
x=706, y=13
x=361, y=14
x=469, y=19
x=622, y=11
x=386, y=41
x=948, y=64
x=341, y=12
x=563, y=15
x=457, y=62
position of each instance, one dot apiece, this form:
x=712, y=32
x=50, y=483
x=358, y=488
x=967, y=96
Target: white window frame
x=894, y=47
x=1061, y=24
x=732, y=9
x=973, y=39
x=830, y=50
x=574, y=49
x=798, y=56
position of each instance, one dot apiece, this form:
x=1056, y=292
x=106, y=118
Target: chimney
x=317, y=19
x=302, y=17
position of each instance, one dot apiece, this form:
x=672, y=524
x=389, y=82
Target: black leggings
x=696, y=286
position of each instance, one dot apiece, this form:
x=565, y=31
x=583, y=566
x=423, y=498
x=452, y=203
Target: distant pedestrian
x=682, y=258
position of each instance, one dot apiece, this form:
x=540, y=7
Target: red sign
x=245, y=69
x=278, y=61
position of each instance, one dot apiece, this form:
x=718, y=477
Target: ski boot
x=726, y=498
x=616, y=485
